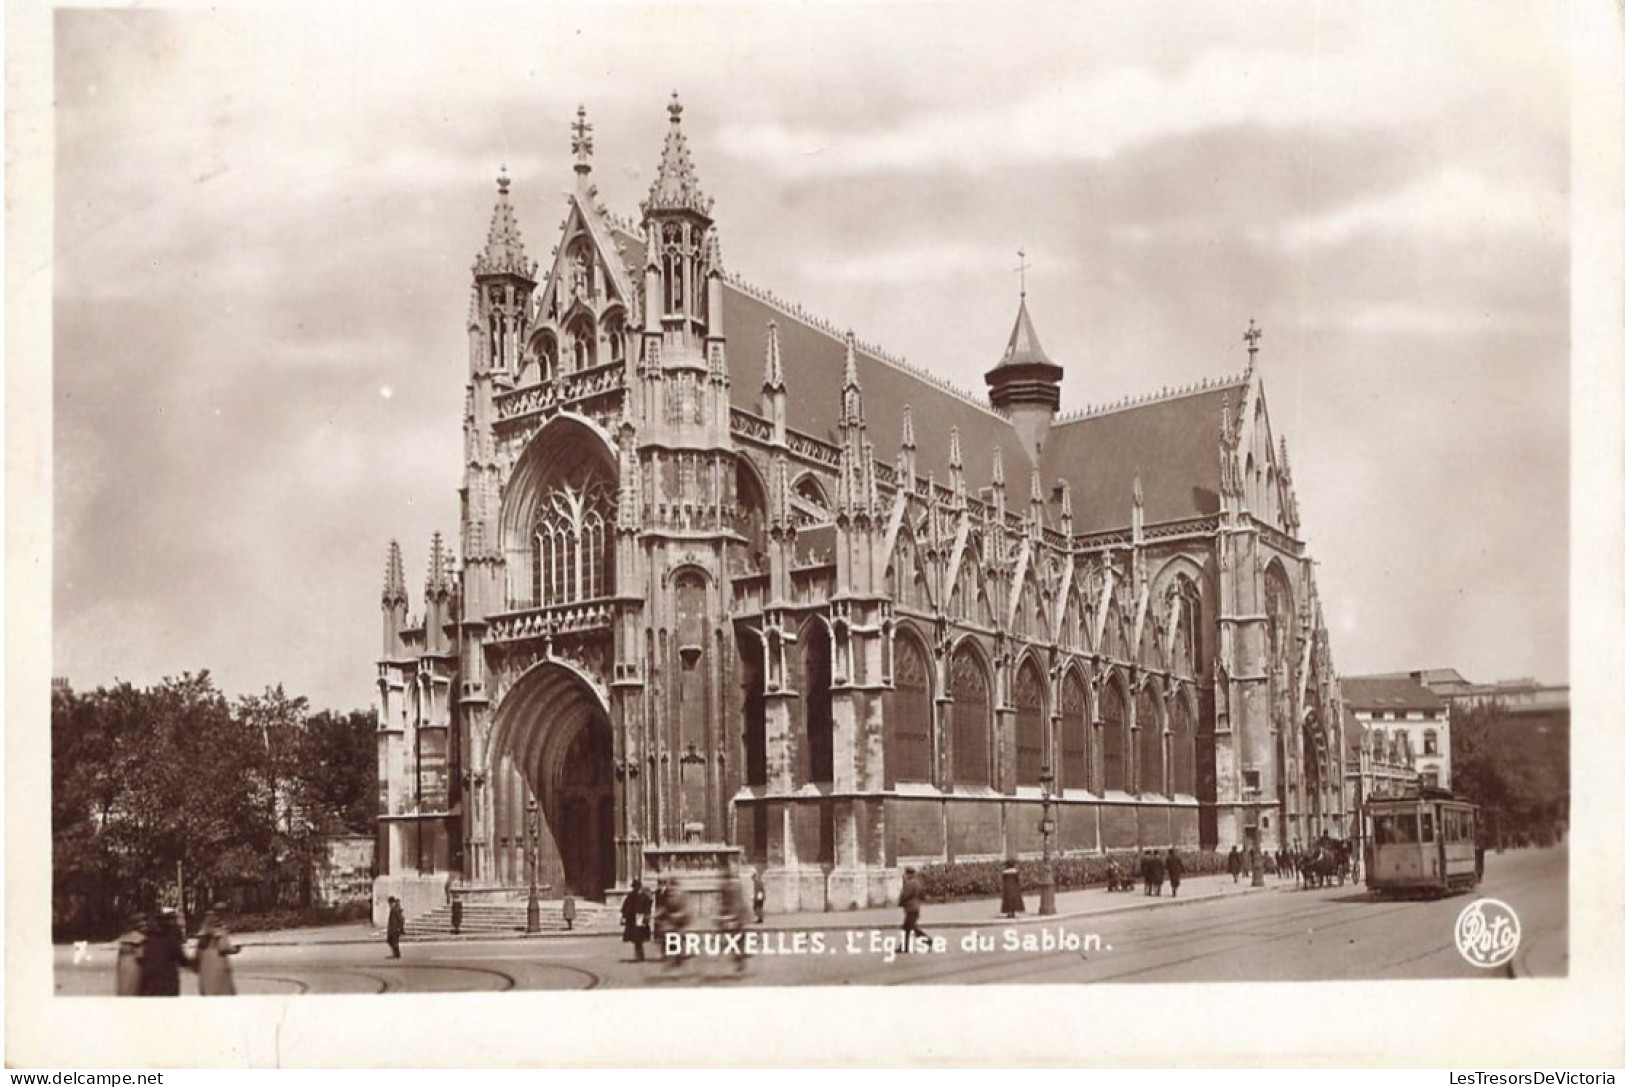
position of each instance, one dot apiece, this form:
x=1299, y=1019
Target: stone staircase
x=500, y=918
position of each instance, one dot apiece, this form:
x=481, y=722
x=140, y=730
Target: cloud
x=930, y=263
x=1101, y=115
x=1451, y=206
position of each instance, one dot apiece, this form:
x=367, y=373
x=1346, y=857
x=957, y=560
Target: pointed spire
x=851, y=391
x=1139, y=493
x=955, y=460
x=581, y=143
x=1036, y=492
x=908, y=427
x=440, y=579
x=504, y=252
x=675, y=186
x=1066, y=507
x=394, y=576
x=998, y=466
x=1286, y=463
x=773, y=368
x=1024, y=346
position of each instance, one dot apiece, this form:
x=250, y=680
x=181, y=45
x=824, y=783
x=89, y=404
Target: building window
x=911, y=714
x=1249, y=780
x=1430, y=742
x=568, y=555
x=1113, y=739
x=1029, y=726
x=1074, y=736
x=971, y=715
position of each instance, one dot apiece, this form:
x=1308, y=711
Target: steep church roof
x=813, y=365
x=1170, y=444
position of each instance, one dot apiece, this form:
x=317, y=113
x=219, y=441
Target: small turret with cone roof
x=1026, y=383
x=504, y=279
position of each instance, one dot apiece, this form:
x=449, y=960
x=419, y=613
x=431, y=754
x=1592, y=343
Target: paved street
x=1216, y=931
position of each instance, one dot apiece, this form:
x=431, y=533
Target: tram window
x=1395, y=829
x=1427, y=826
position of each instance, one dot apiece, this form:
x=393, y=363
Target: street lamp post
x=1046, y=882
x=533, y=905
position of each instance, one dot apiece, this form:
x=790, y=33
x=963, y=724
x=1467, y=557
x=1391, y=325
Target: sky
x=265, y=221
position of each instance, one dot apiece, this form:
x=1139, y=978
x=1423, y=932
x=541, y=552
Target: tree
x=1499, y=762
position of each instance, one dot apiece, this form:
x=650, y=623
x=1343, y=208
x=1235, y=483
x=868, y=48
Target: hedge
x=984, y=879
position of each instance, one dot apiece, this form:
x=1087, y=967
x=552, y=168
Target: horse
x=1322, y=862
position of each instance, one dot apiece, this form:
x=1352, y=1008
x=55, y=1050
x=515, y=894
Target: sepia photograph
x=712, y=504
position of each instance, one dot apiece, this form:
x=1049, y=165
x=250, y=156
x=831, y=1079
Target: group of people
x=152, y=954
x=1286, y=863
x=668, y=911
x=1156, y=867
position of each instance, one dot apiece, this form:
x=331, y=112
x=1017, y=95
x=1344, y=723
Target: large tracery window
x=1029, y=725
x=1113, y=739
x=908, y=711
x=971, y=717
x=569, y=555
x=1074, y=736
x=1150, y=733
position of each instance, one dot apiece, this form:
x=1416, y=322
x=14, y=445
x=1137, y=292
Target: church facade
x=713, y=584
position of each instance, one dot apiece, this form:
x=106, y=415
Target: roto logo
x=1487, y=932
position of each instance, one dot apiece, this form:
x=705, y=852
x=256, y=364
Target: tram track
x=1322, y=916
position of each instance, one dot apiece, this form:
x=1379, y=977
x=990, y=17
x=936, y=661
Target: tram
x=1423, y=844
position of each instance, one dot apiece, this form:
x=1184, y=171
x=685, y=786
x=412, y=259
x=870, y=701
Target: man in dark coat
x=164, y=955
x=1153, y=861
x=635, y=910
x=396, y=927
x=1176, y=871
x=758, y=894
x=1232, y=864
x=911, y=898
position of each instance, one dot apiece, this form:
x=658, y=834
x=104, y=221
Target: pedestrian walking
x=569, y=911
x=1154, y=863
x=1145, y=873
x=911, y=899
x=1232, y=864
x=131, y=953
x=395, y=927
x=164, y=954
x=658, y=918
x=758, y=893
x=635, y=909
x=731, y=916
x=1176, y=871
x=214, y=945
x=672, y=919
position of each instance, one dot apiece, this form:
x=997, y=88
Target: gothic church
x=710, y=587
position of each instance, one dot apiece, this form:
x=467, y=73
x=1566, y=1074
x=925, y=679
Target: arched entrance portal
x=552, y=745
